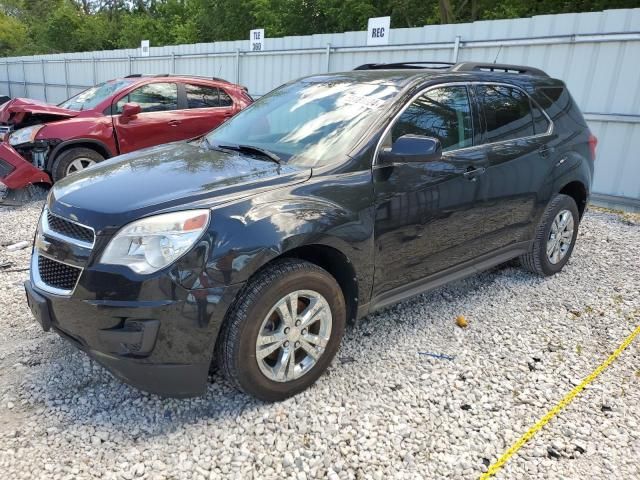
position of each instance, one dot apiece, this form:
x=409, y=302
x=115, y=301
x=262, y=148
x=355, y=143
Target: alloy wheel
x=560, y=236
x=79, y=164
x=294, y=335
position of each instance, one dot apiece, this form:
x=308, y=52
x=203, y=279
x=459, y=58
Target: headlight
x=24, y=135
x=152, y=243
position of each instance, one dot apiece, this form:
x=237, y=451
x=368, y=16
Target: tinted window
x=202, y=97
x=154, y=97
x=443, y=113
x=507, y=112
x=540, y=122
x=225, y=99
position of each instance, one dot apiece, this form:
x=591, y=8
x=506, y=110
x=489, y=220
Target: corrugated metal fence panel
x=602, y=71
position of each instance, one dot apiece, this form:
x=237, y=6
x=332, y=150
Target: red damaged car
x=44, y=143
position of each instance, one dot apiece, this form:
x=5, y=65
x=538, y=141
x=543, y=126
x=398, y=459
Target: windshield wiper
x=255, y=150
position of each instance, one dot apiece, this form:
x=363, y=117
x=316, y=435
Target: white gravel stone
x=384, y=410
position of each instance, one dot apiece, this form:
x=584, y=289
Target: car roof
x=403, y=75
x=164, y=77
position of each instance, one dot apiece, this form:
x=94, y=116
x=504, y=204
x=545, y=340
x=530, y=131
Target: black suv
x=332, y=196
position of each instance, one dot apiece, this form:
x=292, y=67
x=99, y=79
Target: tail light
x=593, y=141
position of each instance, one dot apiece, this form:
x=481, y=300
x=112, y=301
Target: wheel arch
x=92, y=144
x=337, y=264
x=330, y=259
x=578, y=191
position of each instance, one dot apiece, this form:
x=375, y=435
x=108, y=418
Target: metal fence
x=597, y=54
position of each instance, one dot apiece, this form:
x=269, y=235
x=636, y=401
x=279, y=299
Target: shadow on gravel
x=67, y=383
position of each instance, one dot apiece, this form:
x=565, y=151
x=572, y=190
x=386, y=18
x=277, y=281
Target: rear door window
x=443, y=113
x=507, y=112
x=153, y=97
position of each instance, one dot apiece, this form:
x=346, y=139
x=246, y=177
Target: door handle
x=174, y=123
x=472, y=173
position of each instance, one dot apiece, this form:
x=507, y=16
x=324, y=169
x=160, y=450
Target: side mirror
x=130, y=110
x=411, y=148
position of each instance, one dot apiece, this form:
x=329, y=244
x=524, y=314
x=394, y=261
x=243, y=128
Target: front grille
x=69, y=229
x=58, y=275
x=5, y=168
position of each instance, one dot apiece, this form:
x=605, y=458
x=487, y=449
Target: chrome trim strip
x=466, y=84
x=52, y=233
x=40, y=284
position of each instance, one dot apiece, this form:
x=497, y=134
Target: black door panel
x=518, y=162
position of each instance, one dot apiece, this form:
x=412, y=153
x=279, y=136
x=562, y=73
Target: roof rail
x=405, y=65
x=138, y=75
x=497, y=67
x=457, y=67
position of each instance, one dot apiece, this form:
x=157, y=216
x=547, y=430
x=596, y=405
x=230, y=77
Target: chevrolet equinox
x=329, y=198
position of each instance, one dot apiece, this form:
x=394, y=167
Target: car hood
x=165, y=178
x=16, y=111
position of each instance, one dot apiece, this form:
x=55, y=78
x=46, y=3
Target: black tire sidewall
x=249, y=375
x=65, y=158
x=563, y=202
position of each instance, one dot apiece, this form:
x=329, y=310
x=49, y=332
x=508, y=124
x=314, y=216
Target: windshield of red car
x=308, y=123
x=93, y=96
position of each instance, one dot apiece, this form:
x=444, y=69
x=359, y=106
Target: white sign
x=378, y=31
x=256, y=40
x=144, y=48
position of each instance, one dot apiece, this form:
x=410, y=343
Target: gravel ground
x=384, y=409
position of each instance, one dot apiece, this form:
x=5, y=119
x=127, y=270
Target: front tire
x=555, y=237
x=283, y=331
x=74, y=160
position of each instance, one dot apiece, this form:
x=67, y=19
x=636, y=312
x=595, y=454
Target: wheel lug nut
x=297, y=344
x=304, y=331
x=297, y=323
x=286, y=344
x=286, y=330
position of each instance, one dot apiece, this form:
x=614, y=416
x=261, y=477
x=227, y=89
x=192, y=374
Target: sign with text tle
x=378, y=31
x=256, y=40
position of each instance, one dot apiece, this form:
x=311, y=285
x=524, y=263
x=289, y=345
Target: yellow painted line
x=493, y=469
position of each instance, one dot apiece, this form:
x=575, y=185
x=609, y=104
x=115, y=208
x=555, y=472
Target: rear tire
x=555, y=237
x=255, y=325
x=74, y=160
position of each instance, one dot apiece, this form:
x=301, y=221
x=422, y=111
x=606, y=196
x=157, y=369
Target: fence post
x=44, y=79
x=66, y=77
x=456, y=49
x=328, y=59
x=6, y=64
x=173, y=63
x=94, y=73
x=130, y=66
x=238, y=66
x=24, y=80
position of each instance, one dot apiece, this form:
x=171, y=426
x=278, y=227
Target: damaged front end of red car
x=21, y=167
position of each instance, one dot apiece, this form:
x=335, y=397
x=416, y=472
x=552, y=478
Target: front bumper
x=161, y=346
x=16, y=172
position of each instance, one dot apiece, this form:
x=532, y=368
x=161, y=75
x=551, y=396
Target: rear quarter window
x=507, y=112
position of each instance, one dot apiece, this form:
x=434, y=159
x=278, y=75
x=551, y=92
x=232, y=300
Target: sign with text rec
x=256, y=40
x=378, y=31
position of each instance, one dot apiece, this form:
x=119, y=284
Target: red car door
x=160, y=120
x=207, y=107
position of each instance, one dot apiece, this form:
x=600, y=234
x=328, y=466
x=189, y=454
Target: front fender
x=246, y=235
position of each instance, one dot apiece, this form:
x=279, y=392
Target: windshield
x=93, y=96
x=307, y=123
